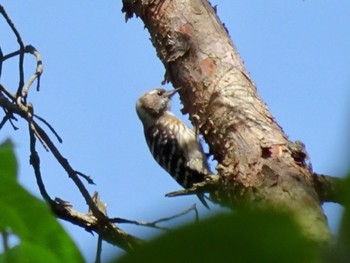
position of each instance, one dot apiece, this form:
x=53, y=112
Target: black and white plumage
x=172, y=143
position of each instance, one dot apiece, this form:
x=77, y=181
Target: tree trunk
x=256, y=162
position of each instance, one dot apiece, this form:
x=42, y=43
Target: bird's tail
x=202, y=198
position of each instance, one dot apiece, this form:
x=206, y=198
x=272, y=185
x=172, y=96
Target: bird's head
x=153, y=104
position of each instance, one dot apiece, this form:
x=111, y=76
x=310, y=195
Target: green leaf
x=8, y=163
x=260, y=236
x=41, y=237
x=341, y=252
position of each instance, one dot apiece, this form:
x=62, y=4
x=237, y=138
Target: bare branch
x=212, y=182
x=327, y=188
x=35, y=162
x=5, y=239
x=155, y=223
x=86, y=177
x=1, y=60
x=97, y=222
x=39, y=70
x=50, y=127
x=21, y=45
x=255, y=158
x=109, y=232
x=98, y=250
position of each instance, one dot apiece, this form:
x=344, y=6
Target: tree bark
x=256, y=162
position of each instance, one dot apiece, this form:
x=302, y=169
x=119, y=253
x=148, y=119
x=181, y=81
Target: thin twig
x=49, y=126
x=65, y=211
x=97, y=222
x=8, y=117
x=7, y=93
x=39, y=66
x=154, y=223
x=35, y=162
x=8, y=114
x=39, y=70
x=71, y=172
x=202, y=187
x=5, y=240
x=329, y=188
x=40, y=133
x=86, y=177
x=22, y=96
x=21, y=45
x=98, y=250
x=193, y=207
x=137, y=223
x=10, y=55
x=1, y=60
x=19, y=106
x=29, y=110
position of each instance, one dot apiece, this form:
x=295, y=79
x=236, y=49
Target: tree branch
x=107, y=231
x=256, y=162
x=155, y=223
x=21, y=46
x=327, y=188
x=19, y=106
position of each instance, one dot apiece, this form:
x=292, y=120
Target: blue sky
x=96, y=66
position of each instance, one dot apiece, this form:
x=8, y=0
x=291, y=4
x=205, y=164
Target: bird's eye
x=160, y=92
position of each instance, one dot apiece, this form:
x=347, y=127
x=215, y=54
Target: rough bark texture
x=256, y=161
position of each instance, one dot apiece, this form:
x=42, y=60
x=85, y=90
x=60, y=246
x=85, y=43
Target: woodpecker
x=172, y=143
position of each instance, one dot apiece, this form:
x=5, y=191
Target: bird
x=174, y=145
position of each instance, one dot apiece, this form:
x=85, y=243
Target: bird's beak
x=171, y=93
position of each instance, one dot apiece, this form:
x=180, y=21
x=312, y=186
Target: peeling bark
x=257, y=163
